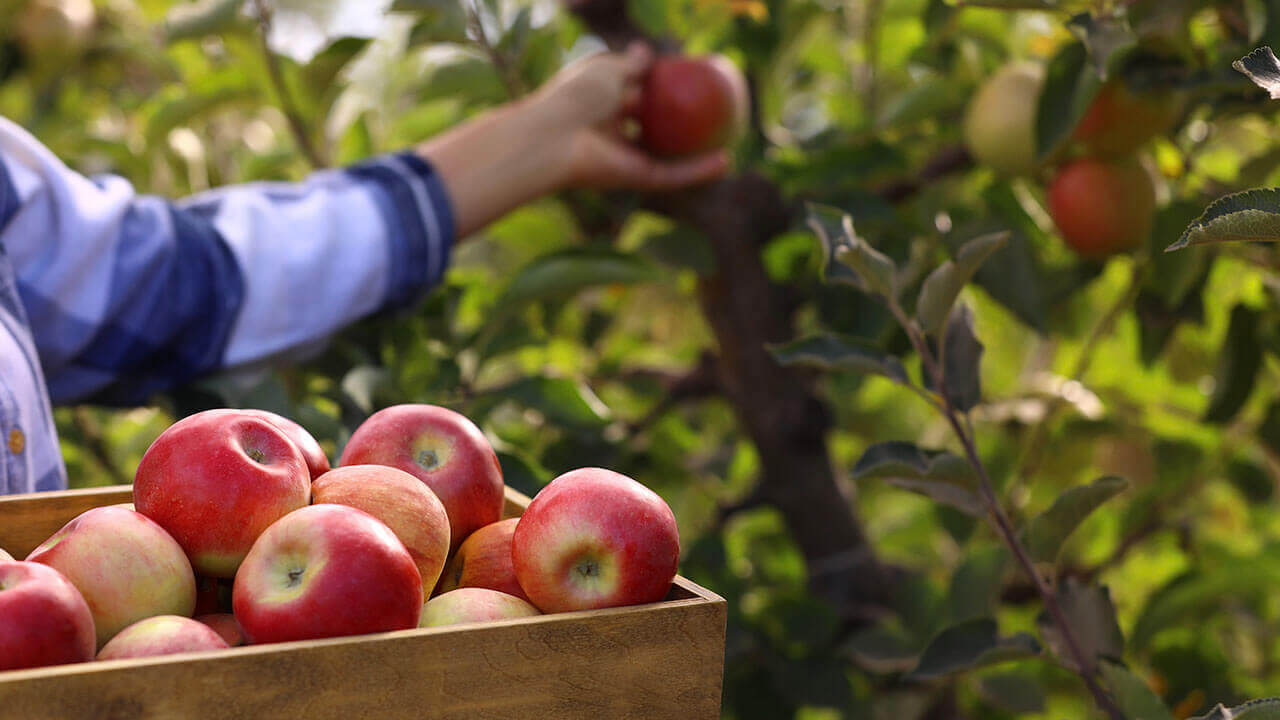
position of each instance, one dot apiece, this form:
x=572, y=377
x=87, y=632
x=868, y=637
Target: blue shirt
x=108, y=296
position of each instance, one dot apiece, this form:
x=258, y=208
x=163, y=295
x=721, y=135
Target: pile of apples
x=241, y=533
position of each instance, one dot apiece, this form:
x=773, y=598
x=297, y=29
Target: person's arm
x=568, y=133
x=128, y=295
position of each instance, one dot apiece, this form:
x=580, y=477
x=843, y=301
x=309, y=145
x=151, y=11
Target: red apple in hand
x=594, y=538
x=126, y=567
x=312, y=453
x=442, y=449
x=400, y=500
x=484, y=561
x=216, y=480
x=226, y=625
x=466, y=605
x=43, y=618
x=691, y=105
x=325, y=571
x=162, y=635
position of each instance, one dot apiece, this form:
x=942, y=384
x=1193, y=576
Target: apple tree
x=936, y=412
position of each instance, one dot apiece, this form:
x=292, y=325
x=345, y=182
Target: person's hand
x=588, y=104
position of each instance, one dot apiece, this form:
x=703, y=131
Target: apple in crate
x=484, y=561
x=125, y=565
x=312, y=453
x=44, y=620
x=441, y=448
x=215, y=480
x=399, y=500
x=226, y=625
x=466, y=605
x=326, y=571
x=594, y=538
x=162, y=635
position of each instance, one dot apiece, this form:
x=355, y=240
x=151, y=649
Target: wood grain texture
x=663, y=660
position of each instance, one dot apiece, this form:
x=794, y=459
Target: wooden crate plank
x=28, y=520
x=654, y=662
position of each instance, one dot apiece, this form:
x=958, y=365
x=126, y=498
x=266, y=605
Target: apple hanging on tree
x=1000, y=123
x=1102, y=207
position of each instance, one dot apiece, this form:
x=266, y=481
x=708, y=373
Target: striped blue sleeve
x=129, y=295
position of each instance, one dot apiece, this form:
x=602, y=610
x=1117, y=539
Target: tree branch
x=297, y=126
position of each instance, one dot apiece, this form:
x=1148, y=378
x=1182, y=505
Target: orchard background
x=650, y=334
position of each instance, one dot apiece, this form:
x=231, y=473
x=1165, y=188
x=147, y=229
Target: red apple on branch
x=594, y=538
x=216, y=480
x=124, y=564
x=442, y=449
x=326, y=571
x=692, y=105
x=466, y=605
x=44, y=620
x=162, y=635
x=1102, y=207
x=484, y=560
x=399, y=500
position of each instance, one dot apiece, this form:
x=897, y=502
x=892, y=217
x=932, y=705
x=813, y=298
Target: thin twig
x=294, y=118
x=1000, y=520
x=509, y=75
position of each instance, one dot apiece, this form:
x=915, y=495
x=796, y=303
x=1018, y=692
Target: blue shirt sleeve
x=128, y=295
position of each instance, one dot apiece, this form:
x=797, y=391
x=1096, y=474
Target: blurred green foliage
x=558, y=328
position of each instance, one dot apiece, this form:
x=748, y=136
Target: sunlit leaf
x=943, y=286
x=1132, y=693
x=940, y=475
x=1263, y=68
x=1266, y=709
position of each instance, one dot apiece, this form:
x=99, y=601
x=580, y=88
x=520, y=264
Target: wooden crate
x=663, y=660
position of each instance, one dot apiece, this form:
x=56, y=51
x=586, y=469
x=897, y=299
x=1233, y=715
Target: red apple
x=1121, y=119
x=226, y=625
x=326, y=571
x=400, y=500
x=317, y=462
x=466, y=605
x=484, y=560
x=1102, y=207
x=594, y=538
x=442, y=449
x=691, y=105
x=126, y=567
x=44, y=620
x=162, y=635
x=216, y=480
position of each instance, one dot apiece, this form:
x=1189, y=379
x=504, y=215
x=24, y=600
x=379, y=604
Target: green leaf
x=831, y=351
x=564, y=273
x=939, y=475
x=1013, y=692
x=857, y=263
x=1249, y=216
x=976, y=584
x=206, y=17
x=1070, y=85
x=681, y=247
x=1267, y=709
x=1132, y=693
x=561, y=400
x=1048, y=532
x=1239, y=361
x=882, y=649
x=1262, y=67
x=1091, y=616
x=971, y=645
x=962, y=360
x=943, y=286
x=363, y=383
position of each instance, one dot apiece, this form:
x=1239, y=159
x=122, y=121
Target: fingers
x=633, y=169
x=636, y=60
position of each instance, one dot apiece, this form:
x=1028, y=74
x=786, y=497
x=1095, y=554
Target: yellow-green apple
x=5, y=555
x=125, y=565
x=691, y=105
x=1000, y=122
x=399, y=500
x=162, y=635
x=317, y=462
x=1102, y=207
x=226, y=625
x=594, y=538
x=484, y=560
x=44, y=620
x=466, y=605
x=442, y=449
x=215, y=480
x=326, y=571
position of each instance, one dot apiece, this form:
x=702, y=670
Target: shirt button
x=17, y=441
